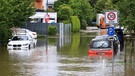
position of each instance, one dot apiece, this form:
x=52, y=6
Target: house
x=44, y=4
x=39, y=4
x=40, y=15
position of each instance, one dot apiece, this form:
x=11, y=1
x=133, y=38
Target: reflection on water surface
x=59, y=57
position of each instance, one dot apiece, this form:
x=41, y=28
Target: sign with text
x=111, y=17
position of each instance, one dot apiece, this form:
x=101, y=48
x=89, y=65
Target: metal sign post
x=111, y=18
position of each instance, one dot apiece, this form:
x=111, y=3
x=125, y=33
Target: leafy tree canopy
x=81, y=8
x=125, y=9
x=15, y=12
x=87, y=10
x=127, y=14
x=65, y=12
x=58, y=3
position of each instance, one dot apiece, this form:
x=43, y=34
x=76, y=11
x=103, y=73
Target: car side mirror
x=89, y=45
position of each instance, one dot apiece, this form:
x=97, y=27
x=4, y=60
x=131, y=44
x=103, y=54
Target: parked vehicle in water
x=29, y=32
x=103, y=45
x=21, y=41
x=21, y=31
x=100, y=21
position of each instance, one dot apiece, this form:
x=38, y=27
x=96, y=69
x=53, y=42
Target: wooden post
x=125, y=49
x=134, y=46
x=131, y=50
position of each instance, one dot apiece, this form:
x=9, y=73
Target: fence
x=40, y=28
x=129, y=47
x=62, y=29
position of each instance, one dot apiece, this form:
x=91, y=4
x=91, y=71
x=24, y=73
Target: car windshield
x=19, y=38
x=101, y=44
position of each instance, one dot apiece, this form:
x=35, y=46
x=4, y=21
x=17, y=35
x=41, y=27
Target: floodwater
x=64, y=56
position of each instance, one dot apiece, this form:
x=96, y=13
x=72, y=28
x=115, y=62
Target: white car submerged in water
x=21, y=41
x=22, y=31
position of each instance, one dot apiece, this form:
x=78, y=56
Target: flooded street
x=64, y=56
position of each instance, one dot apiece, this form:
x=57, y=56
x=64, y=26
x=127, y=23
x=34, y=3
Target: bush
x=83, y=25
x=66, y=21
x=5, y=34
x=52, y=30
x=75, y=23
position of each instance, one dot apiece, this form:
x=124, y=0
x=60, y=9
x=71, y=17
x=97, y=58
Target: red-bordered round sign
x=111, y=16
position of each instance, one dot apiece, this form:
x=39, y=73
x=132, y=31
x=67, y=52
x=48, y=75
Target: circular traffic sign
x=111, y=16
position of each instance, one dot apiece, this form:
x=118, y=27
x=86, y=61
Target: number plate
x=101, y=53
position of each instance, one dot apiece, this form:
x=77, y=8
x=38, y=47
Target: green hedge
x=52, y=30
x=75, y=24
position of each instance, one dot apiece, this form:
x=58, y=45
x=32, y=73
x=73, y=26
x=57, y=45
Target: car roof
x=118, y=29
x=21, y=35
x=103, y=37
x=24, y=29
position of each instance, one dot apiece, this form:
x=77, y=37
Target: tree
x=127, y=14
x=93, y=2
x=58, y=3
x=100, y=6
x=5, y=34
x=15, y=12
x=82, y=9
x=65, y=12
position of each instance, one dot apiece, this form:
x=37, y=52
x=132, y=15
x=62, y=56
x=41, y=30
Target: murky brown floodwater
x=64, y=56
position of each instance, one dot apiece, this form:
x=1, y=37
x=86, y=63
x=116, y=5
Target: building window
x=50, y=7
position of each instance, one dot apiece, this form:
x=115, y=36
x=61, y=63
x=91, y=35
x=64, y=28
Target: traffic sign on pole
x=47, y=18
x=111, y=17
x=110, y=31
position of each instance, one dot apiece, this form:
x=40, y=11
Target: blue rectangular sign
x=110, y=31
